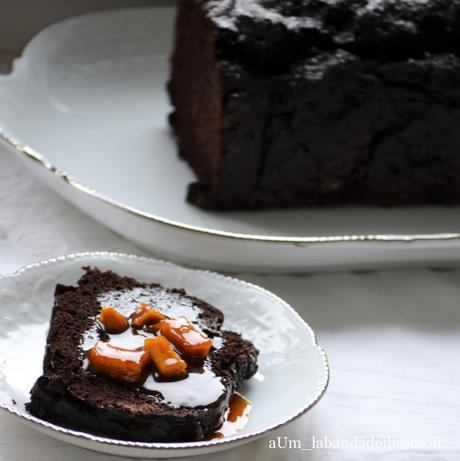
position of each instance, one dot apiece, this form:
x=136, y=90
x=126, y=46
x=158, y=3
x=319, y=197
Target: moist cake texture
x=70, y=394
x=311, y=102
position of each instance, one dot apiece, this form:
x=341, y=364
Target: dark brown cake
x=310, y=102
x=69, y=394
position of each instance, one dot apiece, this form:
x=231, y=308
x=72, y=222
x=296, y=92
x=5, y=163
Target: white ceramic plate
x=86, y=109
x=293, y=371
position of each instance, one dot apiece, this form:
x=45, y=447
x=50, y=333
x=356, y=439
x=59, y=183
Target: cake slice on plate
x=138, y=361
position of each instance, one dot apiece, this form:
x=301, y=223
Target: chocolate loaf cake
x=311, y=102
x=71, y=394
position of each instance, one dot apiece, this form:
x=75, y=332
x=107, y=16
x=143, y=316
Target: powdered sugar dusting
x=227, y=12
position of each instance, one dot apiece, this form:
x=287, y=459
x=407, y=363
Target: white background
x=21, y=19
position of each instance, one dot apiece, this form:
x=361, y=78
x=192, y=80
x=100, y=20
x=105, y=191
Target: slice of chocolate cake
x=138, y=362
x=309, y=102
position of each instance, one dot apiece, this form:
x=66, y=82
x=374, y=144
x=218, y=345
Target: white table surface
x=393, y=340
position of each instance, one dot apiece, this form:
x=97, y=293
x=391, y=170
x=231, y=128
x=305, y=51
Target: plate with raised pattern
x=290, y=358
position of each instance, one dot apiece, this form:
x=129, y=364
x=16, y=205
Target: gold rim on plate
x=31, y=154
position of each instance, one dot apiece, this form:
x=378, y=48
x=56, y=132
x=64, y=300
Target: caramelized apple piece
x=167, y=361
x=113, y=321
x=146, y=315
x=238, y=407
x=187, y=338
x=237, y=417
x=118, y=363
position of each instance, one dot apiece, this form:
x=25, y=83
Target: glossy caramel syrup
x=202, y=387
x=236, y=417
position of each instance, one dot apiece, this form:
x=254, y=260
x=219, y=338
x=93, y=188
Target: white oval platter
x=293, y=370
x=85, y=108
